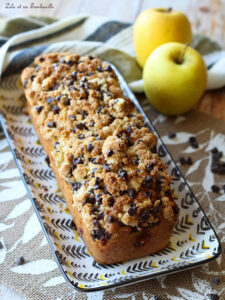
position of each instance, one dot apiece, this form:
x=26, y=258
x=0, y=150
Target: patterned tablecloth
x=21, y=234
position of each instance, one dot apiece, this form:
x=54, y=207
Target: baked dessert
x=103, y=156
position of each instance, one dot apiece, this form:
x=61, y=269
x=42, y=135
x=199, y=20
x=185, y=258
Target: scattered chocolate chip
x=94, y=210
x=132, y=193
x=20, y=261
x=99, y=109
x=214, y=297
x=51, y=124
x=108, y=69
x=74, y=130
x=192, y=139
x=42, y=59
x=148, y=194
x=73, y=118
x=154, y=149
x=182, y=160
x=110, y=219
x=194, y=145
x=123, y=174
x=111, y=201
x=189, y=161
x=93, y=160
x=92, y=123
x=55, y=109
x=136, y=161
x=109, y=153
x=95, y=222
x=76, y=186
x=129, y=129
x=57, y=98
x=54, y=87
x=100, y=234
x=172, y=135
x=84, y=79
x=214, y=150
x=1, y=245
x=176, y=209
x=123, y=192
x=77, y=160
x=216, y=280
x=47, y=160
x=81, y=136
x=39, y=108
x=91, y=57
x=84, y=114
x=157, y=298
x=32, y=77
x=215, y=188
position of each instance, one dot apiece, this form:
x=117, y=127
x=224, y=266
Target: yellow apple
x=158, y=26
x=174, y=78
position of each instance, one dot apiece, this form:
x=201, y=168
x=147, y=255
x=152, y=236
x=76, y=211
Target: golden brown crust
x=115, y=185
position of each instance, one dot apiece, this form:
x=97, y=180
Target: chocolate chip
x=90, y=147
x=222, y=170
x=215, y=188
x=147, y=182
x=67, y=101
x=74, y=130
x=130, y=130
x=84, y=79
x=80, y=126
x=100, y=234
x=108, y=69
x=84, y=114
x=176, y=209
x=148, y=194
x=109, y=153
x=81, y=136
x=32, y=77
x=144, y=216
x=1, y=245
x=189, y=161
x=93, y=160
x=123, y=174
x=47, y=160
x=70, y=82
x=192, y=139
x=110, y=219
x=39, y=108
x=132, y=193
x=90, y=199
x=99, y=68
x=91, y=57
x=106, y=167
x=172, y=135
x=132, y=210
x=111, y=201
x=216, y=280
x=136, y=161
x=92, y=123
x=56, y=144
x=49, y=99
x=42, y=59
x=57, y=98
x=123, y=192
x=157, y=298
x=214, y=297
x=51, y=124
x=182, y=160
x=69, y=62
x=95, y=222
x=77, y=160
x=194, y=145
x=76, y=186
x=149, y=167
x=100, y=216
x=214, y=150
x=55, y=109
x=54, y=87
x=20, y=261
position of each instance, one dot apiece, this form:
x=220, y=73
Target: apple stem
x=180, y=60
x=169, y=9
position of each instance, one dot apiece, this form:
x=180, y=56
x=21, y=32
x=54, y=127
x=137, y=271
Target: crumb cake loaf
x=103, y=156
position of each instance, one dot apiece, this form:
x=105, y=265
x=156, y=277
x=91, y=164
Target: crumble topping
x=100, y=144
